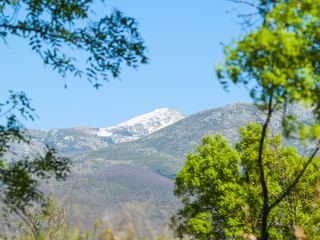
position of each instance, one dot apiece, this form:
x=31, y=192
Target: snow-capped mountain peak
x=142, y=125
x=161, y=116
x=80, y=138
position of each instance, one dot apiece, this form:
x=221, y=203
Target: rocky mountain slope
x=79, y=139
x=164, y=151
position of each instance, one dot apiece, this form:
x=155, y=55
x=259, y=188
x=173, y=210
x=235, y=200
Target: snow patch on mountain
x=140, y=126
x=161, y=117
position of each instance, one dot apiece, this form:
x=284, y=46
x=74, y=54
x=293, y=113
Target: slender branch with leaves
x=279, y=63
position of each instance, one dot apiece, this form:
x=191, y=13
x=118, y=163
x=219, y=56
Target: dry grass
x=133, y=222
x=299, y=233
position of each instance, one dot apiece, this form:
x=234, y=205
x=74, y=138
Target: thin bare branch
x=285, y=193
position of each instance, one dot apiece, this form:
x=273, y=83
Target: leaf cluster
x=17, y=104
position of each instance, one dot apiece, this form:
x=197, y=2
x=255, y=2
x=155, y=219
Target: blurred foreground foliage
x=48, y=223
x=20, y=178
x=278, y=61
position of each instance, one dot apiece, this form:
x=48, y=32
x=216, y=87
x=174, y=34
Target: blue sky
x=184, y=43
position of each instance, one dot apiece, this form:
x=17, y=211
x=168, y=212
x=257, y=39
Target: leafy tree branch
x=51, y=26
x=279, y=61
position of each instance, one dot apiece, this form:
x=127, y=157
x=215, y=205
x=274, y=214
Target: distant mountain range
x=136, y=160
x=70, y=141
x=164, y=151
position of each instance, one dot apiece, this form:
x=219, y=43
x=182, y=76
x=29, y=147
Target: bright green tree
x=54, y=30
x=279, y=63
x=222, y=196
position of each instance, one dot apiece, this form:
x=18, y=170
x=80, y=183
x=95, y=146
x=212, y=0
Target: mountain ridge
x=69, y=141
x=164, y=151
